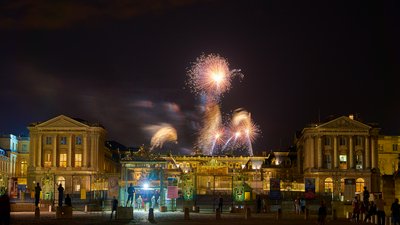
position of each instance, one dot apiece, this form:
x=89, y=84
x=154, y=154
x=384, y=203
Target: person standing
x=395, y=208
x=60, y=195
x=68, y=201
x=114, y=206
x=153, y=202
x=356, y=209
x=371, y=211
x=365, y=195
x=220, y=203
x=380, y=210
x=139, y=202
x=303, y=205
x=38, y=189
x=322, y=212
x=131, y=191
x=5, y=209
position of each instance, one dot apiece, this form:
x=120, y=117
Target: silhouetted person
x=395, y=208
x=114, y=205
x=220, y=203
x=371, y=211
x=5, y=209
x=131, y=191
x=60, y=195
x=322, y=212
x=380, y=210
x=68, y=201
x=258, y=203
x=365, y=196
x=38, y=189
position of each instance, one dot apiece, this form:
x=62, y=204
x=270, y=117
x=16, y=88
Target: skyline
x=125, y=65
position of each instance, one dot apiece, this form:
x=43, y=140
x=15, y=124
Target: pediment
x=344, y=123
x=62, y=121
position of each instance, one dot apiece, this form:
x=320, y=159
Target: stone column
x=373, y=153
x=33, y=150
x=55, y=152
x=92, y=151
x=84, y=156
x=367, y=153
x=351, y=152
x=69, y=162
x=335, y=152
x=39, y=150
x=312, y=150
x=319, y=152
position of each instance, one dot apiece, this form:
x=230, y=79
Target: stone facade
x=339, y=149
x=71, y=152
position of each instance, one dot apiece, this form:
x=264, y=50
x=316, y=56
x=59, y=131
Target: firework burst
x=210, y=75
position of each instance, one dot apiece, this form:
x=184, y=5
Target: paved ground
x=168, y=218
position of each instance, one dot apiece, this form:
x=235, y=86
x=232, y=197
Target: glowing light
x=162, y=133
x=210, y=75
x=145, y=186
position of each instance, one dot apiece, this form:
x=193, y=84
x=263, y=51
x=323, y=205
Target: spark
x=162, y=133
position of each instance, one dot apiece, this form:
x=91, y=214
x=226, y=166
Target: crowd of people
x=371, y=208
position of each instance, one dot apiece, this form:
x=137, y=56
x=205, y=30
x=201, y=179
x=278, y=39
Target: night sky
x=124, y=63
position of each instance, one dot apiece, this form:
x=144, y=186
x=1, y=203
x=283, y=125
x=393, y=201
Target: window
x=78, y=140
x=24, y=168
x=360, y=183
x=359, y=161
x=395, y=147
x=380, y=147
x=328, y=161
x=61, y=180
x=78, y=160
x=48, y=140
x=342, y=141
x=343, y=161
x=63, y=160
x=47, y=160
x=359, y=140
x=328, y=185
x=327, y=141
x=63, y=140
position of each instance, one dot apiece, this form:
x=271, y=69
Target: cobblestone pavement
x=169, y=218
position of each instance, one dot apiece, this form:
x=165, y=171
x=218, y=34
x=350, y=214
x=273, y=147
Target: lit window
x=359, y=161
x=63, y=140
x=77, y=187
x=48, y=140
x=78, y=160
x=343, y=161
x=360, y=183
x=61, y=180
x=47, y=160
x=24, y=168
x=63, y=160
x=328, y=185
x=78, y=140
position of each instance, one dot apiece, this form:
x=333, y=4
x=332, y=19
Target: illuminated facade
x=8, y=162
x=71, y=152
x=342, y=148
x=389, y=153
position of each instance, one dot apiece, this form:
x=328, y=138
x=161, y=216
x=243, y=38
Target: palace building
x=339, y=149
x=70, y=152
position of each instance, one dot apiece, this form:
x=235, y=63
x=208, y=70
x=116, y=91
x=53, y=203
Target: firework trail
x=211, y=128
x=210, y=77
x=242, y=123
x=162, y=133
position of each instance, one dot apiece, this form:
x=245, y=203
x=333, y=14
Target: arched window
x=360, y=183
x=61, y=180
x=328, y=185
